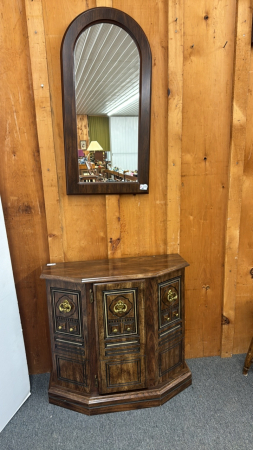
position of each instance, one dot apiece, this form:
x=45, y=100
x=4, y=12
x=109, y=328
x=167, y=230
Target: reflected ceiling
x=107, y=66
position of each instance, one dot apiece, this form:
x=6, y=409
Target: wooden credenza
x=117, y=333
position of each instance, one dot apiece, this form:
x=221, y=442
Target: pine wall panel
x=209, y=35
x=21, y=187
x=191, y=169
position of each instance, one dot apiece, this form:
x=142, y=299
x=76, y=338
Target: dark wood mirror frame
x=79, y=24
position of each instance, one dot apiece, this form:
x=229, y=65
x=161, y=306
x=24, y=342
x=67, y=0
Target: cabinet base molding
x=101, y=404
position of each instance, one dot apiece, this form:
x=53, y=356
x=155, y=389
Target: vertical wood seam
x=112, y=202
x=39, y=70
x=175, y=101
x=236, y=165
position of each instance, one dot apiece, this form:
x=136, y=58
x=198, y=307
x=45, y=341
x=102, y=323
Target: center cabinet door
x=120, y=314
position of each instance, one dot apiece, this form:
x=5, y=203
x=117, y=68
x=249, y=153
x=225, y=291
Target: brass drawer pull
x=128, y=329
x=115, y=330
x=120, y=307
x=65, y=306
x=71, y=329
x=172, y=296
x=59, y=328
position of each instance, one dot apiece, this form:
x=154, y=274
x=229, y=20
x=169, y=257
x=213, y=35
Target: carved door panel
x=67, y=312
x=121, y=336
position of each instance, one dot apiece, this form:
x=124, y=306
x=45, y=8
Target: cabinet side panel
x=170, y=306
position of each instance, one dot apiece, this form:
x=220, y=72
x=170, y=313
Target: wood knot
x=225, y=320
x=114, y=243
x=25, y=208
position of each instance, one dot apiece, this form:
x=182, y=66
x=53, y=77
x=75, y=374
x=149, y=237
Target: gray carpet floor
x=216, y=412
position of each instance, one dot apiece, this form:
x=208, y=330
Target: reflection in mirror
x=107, y=82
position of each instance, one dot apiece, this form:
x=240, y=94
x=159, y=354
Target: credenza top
x=114, y=269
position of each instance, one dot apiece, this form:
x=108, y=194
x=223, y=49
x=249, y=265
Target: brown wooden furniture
x=117, y=333
x=248, y=359
x=83, y=167
x=88, y=178
x=79, y=24
x=120, y=175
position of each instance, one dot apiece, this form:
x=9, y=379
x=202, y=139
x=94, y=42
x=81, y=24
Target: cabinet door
x=121, y=336
x=67, y=311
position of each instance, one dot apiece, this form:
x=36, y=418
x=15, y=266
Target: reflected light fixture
x=127, y=102
x=94, y=145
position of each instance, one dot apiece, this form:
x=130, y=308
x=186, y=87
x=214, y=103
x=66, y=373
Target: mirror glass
x=107, y=94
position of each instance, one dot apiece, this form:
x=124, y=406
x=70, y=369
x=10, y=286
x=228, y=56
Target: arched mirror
x=106, y=81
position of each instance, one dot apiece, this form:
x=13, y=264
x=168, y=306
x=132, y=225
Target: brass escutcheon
x=65, y=306
x=120, y=307
x=171, y=296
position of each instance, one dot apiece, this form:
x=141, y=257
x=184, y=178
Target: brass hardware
x=171, y=296
x=65, y=306
x=96, y=380
x=71, y=329
x=115, y=330
x=128, y=329
x=59, y=328
x=91, y=296
x=175, y=314
x=120, y=307
x=168, y=319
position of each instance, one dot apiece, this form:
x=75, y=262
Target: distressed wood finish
x=94, y=227
x=248, y=359
x=209, y=36
x=175, y=105
x=113, y=226
x=83, y=218
x=238, y=142
x=117, y=338
x=21, y=187
x=112, y=202
x=143, y=218
x=107, y=3
x=38, y=56
x=243, y=306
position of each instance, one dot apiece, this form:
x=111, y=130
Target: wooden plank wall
x=207, y=104
x=21, y=184
x=82, y=129
x=190, y=171
x=236, y=168
x=243, y=308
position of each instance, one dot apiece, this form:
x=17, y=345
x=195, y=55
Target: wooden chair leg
x=248, y=359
